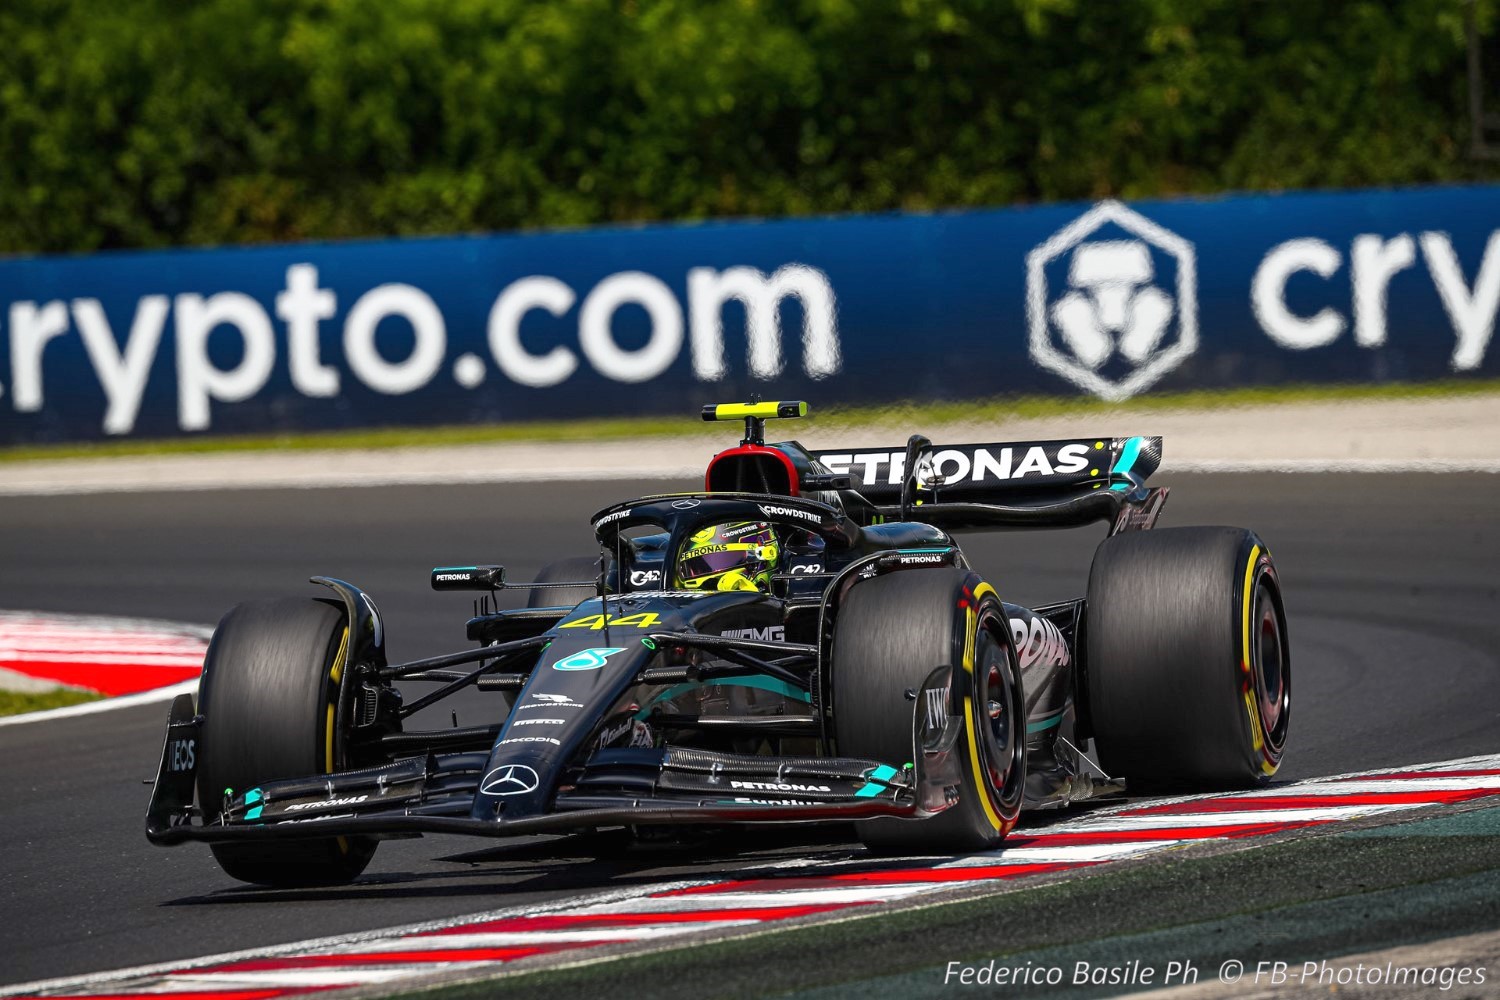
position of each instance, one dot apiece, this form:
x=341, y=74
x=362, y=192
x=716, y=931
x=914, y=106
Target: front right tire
x=268, y=699
x=562, y=571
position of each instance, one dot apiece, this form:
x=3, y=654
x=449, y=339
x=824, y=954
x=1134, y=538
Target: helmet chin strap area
x=736, y=579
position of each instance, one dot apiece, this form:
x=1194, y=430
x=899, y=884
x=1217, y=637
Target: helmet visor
x=696, y=566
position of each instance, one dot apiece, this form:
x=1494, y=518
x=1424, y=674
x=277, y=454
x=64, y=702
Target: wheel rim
x=1003, y=742
x=1272, y=682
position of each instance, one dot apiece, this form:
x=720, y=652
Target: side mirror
x=468, y=577
x=917, y=448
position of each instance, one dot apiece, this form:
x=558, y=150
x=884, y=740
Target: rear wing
x=992, y=472
x=1009, y=484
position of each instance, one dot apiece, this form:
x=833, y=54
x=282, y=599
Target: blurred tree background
x=137, y=123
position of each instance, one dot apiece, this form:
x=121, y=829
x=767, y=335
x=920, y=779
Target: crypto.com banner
x=1109, y=300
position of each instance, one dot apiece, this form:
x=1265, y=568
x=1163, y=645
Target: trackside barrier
x=1109, y=300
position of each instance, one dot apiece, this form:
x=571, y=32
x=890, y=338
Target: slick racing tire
x=573, y=568
x=891, y=632
x=1188, y=668
x=268, y=698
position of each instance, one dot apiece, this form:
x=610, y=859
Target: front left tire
x=891, y=632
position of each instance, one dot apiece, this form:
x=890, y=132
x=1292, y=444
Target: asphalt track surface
x=1393, y=584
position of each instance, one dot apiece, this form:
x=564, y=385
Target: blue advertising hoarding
x=1109, y=300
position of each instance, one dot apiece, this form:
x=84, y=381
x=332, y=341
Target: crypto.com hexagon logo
x=1113, y=330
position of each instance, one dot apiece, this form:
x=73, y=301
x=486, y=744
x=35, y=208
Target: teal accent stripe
x=1129, y=454
x=754, y=681
x=946, y=548
x=883, y=773
x=252, y=796
x=1045, y=723
x=253, y=813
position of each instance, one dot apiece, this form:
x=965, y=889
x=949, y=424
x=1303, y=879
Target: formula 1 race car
x=801, y=642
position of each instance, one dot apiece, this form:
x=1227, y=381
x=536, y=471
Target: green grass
x=18, y=702
x=916, y=415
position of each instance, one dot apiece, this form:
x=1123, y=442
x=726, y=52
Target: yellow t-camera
x=755, y=415
x=759, y=411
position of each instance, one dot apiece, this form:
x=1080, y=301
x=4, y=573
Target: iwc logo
x=1112, y=302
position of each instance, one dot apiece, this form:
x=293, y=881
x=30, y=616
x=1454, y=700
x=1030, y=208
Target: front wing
x=435, y=793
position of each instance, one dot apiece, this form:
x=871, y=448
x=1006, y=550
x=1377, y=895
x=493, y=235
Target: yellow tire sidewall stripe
x=334, y=676
x=1252, y=709
x=980, y=774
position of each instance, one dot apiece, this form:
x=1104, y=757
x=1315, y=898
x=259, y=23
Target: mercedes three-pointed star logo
x=512, y=779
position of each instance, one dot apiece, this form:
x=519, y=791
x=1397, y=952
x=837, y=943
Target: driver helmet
x=737, y=556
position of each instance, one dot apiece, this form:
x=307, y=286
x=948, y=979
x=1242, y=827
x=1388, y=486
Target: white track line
x=1185, y=820
x=483, y=475
x=855, y=893
x=104, y=705
x=1076, y=855
x=521, y=939
x=500, y=474
x=22, y=638
x=46, y=637
x=355, y=975
x=1480, y=762
x=111, y=624
x=1362, y=787
x=105, y=659
x=674, y=897
x=295, y=948
x=21, y=635
x=304, y=972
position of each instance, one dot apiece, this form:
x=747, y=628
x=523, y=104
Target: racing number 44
x=645, y=619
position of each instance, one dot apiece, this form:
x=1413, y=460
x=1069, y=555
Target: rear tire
x=268, y=695
x=1189, y=672
x=572, y=568
x=891, y=632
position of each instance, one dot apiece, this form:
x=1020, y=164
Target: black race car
x=802, y=642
